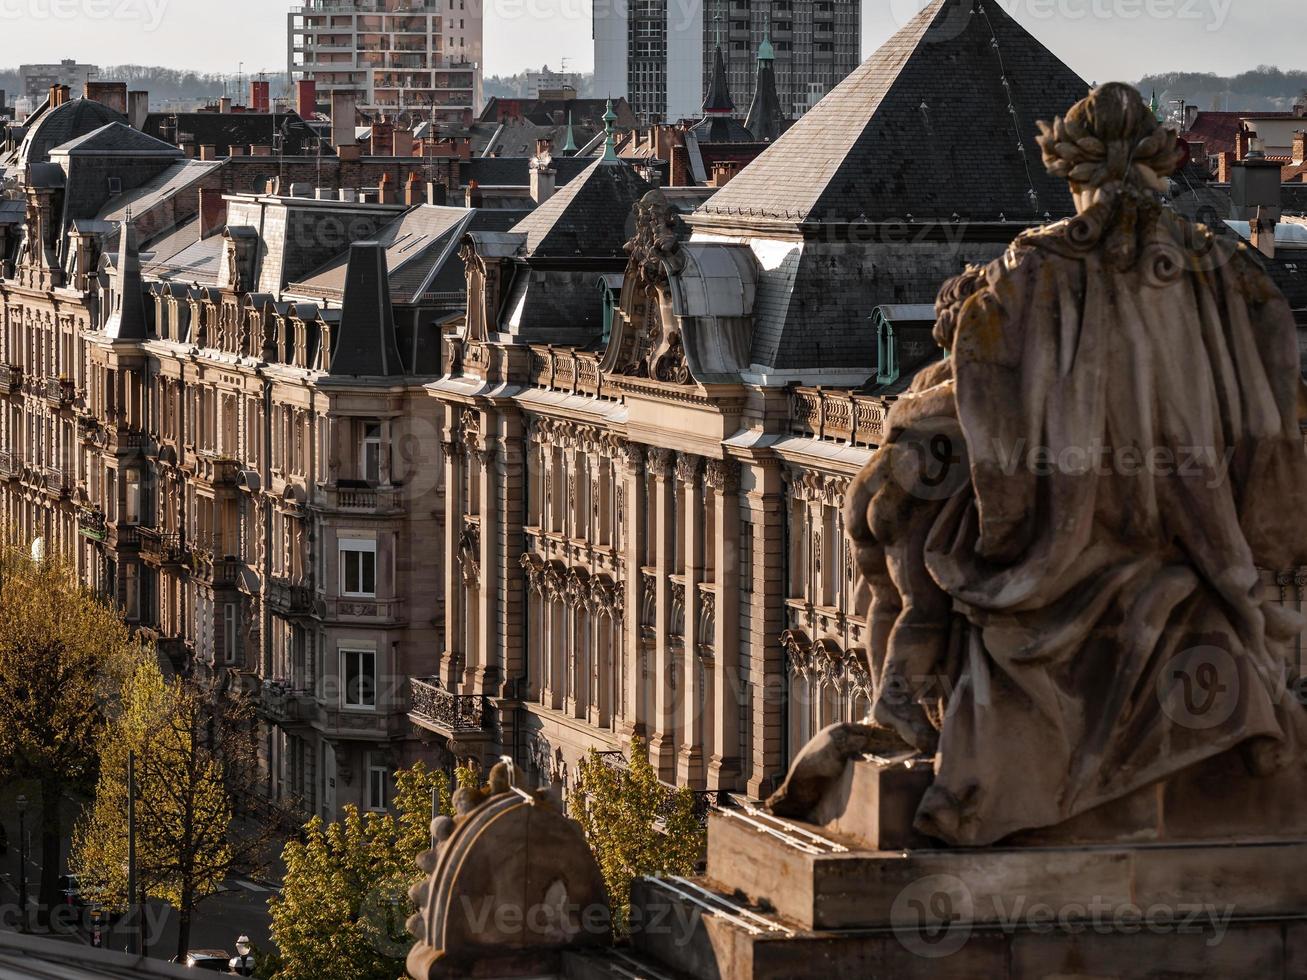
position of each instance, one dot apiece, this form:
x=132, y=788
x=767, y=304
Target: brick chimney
x=472, y=197
x=306, y=98
x=543, y=175
x=58, y=95
x=1241, y=143
x=1224, y=166
x=1262, y=232
x=112, y=94
x=224, y=105
x=208, y=151
x=1299, y=147
x=386, y=190
x=402, y=143
x=723, y=171
x=260, y=98
x=138, y=107
x=414, y=193
x=213, y=211
x=260, y=150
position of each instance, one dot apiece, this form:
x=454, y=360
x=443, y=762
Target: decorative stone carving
x=504, y=849
x=1103, y=584
x=688, y=467
x=646, y=339
x=661, y=461
x=723, y=475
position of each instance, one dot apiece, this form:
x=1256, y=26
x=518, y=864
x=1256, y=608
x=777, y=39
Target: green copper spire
x=610, y=140
x=570, y=145
x=765, y=51
x=1156, y=107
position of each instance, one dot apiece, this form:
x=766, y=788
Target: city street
x=241, y=907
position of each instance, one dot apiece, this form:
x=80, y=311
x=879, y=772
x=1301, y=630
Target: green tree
x=192, y=751
x=635, y=824
x=344, y=902
x=64, y=654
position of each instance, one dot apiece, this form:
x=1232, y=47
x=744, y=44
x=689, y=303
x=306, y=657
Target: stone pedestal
x=1132, y=891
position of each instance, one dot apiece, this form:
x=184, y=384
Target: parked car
x=214, y=960
x=71, y=890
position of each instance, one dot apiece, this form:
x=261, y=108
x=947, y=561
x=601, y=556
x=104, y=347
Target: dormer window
x=115, y=186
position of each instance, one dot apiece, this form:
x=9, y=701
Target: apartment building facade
x=660, y=54
x=413, y=59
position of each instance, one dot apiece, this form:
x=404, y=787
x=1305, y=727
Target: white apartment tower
x=416, y=57
x=659, y=53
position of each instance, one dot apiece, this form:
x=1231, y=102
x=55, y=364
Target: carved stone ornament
x=646, y=340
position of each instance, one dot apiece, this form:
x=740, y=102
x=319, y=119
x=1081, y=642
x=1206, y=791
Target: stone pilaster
x=694, y=702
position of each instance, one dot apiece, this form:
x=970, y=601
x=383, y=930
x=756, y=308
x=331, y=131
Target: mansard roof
x=940, y=120
x=590, y=217
x=116, y=139
x=57, y=126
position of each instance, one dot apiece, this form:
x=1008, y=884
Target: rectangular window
x=358, y=568
x=133, y=482
x=131, y=592
x=378, y=787
x=230, y=628
x=359, y=670
x=371, y=461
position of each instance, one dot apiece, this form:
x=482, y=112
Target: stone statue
x=1063, y=533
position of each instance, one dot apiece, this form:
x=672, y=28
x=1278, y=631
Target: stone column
x=690, y=764
x=453, y=452
x=662, y=721
x=509, y=598
x=629, y=476
x=723, y=477
x=765, y=503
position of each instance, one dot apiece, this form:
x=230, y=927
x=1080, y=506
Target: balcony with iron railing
x=437, y=710
x=10, y=379
x=213, y=566
x=92, y=524
x=59, y=392
x=163, y=548
x=56, y=482
x=279, y=702
x=288, y=598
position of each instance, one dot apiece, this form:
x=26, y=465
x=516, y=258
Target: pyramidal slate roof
x=589, y=217
x=117, y=139
x=934, y=123
x=365, y=343
x=764, y=118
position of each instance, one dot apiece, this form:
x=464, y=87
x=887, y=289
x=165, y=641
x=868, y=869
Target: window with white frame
x=378, y=786
x=358, y=671
x=358, y=568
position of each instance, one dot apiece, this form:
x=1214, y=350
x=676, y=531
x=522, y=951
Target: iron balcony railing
x=448, y=712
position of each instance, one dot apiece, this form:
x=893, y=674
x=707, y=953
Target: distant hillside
x=166, y=84
x=1264, y=89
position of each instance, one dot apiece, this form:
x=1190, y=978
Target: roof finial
x=570, y=145
x=610, y=141
x=765, y=50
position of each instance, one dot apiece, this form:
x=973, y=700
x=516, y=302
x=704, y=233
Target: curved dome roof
x=57, y=126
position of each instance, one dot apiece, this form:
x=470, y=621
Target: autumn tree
x=193, y=751
x=63, y=656
x=635, y=824
x=344, y=902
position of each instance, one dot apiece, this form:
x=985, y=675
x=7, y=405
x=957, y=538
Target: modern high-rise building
x=659, y=54
x=420, y=57
x=35, y=81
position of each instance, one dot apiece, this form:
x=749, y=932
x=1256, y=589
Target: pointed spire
x=364, y=343
x=765, y=50
x=570, y=147
x=764, y=118
x=610, y=140
x=127, y=320
x=719, y=94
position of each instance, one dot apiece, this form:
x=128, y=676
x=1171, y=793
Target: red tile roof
x=1219, y=130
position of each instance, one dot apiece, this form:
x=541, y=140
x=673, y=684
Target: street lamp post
x=21, y=803
x=242, y=964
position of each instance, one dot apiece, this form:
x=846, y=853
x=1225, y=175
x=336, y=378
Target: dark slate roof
x=719, y=93
x=764, y=118
x=117, y=138
x=589, y=217
x=721, y=129
x=57, y=126
x=127, y=319
x=235, y=129
x=923, y=127
x=364, y=344
x=516, y=171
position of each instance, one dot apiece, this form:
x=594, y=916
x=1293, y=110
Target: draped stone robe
x=1079, y=569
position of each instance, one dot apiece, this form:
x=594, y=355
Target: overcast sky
x=1101, y=39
